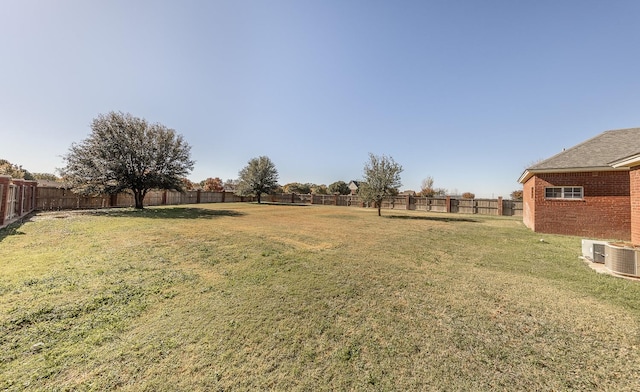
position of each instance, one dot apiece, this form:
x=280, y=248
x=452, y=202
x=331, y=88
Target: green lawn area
x=303, y=298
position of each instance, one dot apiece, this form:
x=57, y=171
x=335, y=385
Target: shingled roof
x=597, y=153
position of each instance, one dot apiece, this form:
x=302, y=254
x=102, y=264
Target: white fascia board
x=628, y=162
x=532, y=172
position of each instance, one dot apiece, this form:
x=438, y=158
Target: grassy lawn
x=305, y=298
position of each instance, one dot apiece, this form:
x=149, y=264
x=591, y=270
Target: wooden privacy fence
x=442, y=204
x=50, y=198
x=17, y=199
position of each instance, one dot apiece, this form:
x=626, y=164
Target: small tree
x=440, y=192
x=127, y=153
x=258, y=177
x=516, y=195
x=187, y=184
x=468, y=195
x=319, y=189
x=426, y=189
x=297, y=187
x=213, y=185
x=231, y=185
x=381, y=179
x=339, y=187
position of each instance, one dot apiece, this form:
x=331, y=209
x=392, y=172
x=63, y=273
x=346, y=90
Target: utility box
x=594, y=250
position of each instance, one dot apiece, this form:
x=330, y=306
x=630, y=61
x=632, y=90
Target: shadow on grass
x=165, y=213
x=10, y=230
x=431, y=218
x=276, y=203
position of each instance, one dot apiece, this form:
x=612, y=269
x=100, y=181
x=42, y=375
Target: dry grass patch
x=245, y=297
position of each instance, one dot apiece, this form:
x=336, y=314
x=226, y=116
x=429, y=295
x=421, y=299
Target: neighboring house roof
x=608, y=151
x=354, y=184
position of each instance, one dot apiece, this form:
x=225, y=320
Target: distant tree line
x=127, y=153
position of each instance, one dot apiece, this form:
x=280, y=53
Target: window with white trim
x=564, y=192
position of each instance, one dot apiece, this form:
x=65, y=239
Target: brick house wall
x=634, y=180
x=605, y=211
x=528, y=204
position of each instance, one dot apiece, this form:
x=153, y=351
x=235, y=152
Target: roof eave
x=528, y=173
x=627, y=162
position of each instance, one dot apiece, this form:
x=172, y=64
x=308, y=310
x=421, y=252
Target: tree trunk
x=258, y=194
x=139, y=198
x=379, y=205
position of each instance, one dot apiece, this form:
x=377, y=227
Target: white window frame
x=564, y=192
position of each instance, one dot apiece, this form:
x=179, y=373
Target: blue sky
x=467, y=92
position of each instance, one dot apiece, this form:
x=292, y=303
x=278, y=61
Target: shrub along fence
x=50, y=198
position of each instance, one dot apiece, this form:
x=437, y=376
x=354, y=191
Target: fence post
x=4, y=192
x=198, y=196
x=500, y=206
x=448, y=203
x=408, y=202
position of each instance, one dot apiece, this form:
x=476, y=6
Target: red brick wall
x=605, y=211
x=528, y=205
x=634, y=179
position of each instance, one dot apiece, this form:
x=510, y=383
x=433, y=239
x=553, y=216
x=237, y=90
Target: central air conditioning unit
x=594, y=250
x=622, y=259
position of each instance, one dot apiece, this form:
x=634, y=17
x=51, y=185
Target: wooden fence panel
x=328, y=200
x=212, y=197
x=395, y=203
x=465, y=206
x=49, y=198
x=453, y=205
x=233, y=198
x=124, y=200
x=429, y=204
x=343, y=200
x=486, y=206
x=303, y=199
x=438, y=205
x=154, y=198
x=284, y=198
x=512, y=207
x=517, y=207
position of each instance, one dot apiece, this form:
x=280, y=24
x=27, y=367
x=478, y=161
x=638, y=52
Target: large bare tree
x=124, y=152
